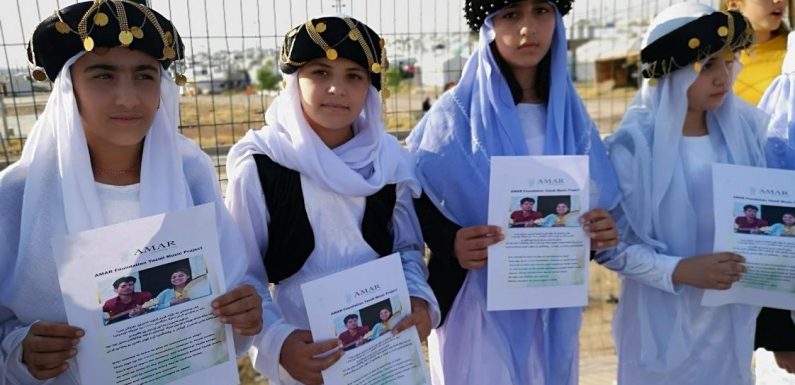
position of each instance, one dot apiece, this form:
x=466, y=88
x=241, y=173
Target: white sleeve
x=635, y=260
x=246, y=203
x=409, y=242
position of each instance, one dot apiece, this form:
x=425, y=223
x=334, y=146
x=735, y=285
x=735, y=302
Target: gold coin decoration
x=331, y=54
x=100, y=19
x=137, y=32
x=88, y=44
x=697, y=66
x=694, y=43
x=385, y=93
x=39, y=75
x=62, y=27
x=169, y=53
x=376, y=68
x=320, y=27
x=181, y=80
x=168, y=37
x=723, y=31
x=125, y=38
x=653, y=82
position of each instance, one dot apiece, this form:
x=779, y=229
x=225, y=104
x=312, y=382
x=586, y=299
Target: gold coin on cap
x=125, y=37
x=88, y=44
x=697, y=66
x=331, y=54
x=376, y=68
x=320, y=27
x=39, y=75
x=100, y=19
x=137, y=32
x=694, y=43
x=62, y=27
x=168, y=37
x=169, y=53
x=181, y=80
x=353, y=35
x=723, y=31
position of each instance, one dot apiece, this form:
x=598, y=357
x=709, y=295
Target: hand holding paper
x=241, y=308
x=599, y=225
x=471, y=243
x=47, y=347
x=419, y=317
x=299, y=356
x=711, y=271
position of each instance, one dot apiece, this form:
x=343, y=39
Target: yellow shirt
x=761, y=64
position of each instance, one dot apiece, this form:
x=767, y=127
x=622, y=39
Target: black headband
x=476, y=11
x=333, y=37
x=695, y=41
x=102, y=23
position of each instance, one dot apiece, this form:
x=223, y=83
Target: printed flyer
x=543, y=261
x=142, y=291
x=360, y=306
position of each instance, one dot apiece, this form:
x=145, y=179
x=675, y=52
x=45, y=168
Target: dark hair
x=540, y=83
x=186, y=271
x=121, y=280
x=531, y=200
x=746, y=207
x=350, y=317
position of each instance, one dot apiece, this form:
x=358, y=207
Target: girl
x=762, y=61
x=684, y=118
x=775, y=329
x=175, y=294
x=322, y=188
x=514, y=98
x=105, y=150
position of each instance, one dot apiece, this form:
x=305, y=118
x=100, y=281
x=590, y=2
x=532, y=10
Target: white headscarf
x=779, y=102
x=359, y=167
x=59, y=133
x=652, y=178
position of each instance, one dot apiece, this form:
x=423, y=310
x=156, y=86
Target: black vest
x=290, y=236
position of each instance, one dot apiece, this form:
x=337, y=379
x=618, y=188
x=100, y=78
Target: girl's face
x=117, y=92
x=524, y=32
x=561, y=209
x=384, y=314
x=764, y=15
x=333, y=93
x=179, y=278
x=788, y=219
x=713, y=82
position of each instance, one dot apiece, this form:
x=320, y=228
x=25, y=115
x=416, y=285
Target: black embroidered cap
x=476, y=11
x=333, y=37
x=695, y=41
x=102, y=23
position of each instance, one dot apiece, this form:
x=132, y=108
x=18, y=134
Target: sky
x=211, y=25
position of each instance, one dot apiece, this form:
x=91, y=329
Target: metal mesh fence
x=232, y=51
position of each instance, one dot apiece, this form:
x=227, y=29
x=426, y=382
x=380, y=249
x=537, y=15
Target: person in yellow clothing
x=761, y=63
